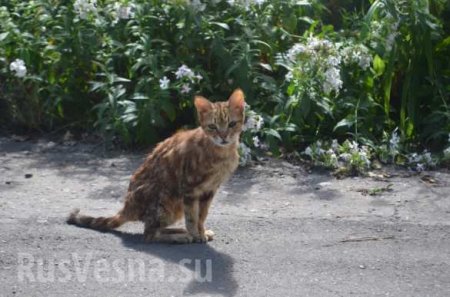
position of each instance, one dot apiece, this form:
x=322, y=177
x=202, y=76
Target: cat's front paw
x=201, y=238
x=204, y=237
x=209, y=234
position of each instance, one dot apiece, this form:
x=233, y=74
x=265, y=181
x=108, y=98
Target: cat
x=180, y=177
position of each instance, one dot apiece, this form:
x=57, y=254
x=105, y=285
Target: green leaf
x=378, y=65
x=291, y=89
x=274, y=133
x=441, y=46
x=121, y=79
x=291, y=127
x=222, y=25
x=291, y=22
x=303, y=3
x=169, y=109
x=348, y=122
x=266, y=66
x=387, y=83
x=3, y=36
x=97, y=85
x=139, y=96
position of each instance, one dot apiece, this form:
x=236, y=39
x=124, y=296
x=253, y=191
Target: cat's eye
x=232, y=124
x=212, y=127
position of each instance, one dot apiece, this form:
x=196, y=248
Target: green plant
x=405, y=35
x=130, y=69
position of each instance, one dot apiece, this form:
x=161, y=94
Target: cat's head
x=222, y=121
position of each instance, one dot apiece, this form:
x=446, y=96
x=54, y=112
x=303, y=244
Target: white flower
x=364, y=158
x=332, y=80
x=345, y=156
x=197, y=5
x=18, y=66
x=259, y=2
x=164, y=83
x=354, y=147
x=254, y=121
x=447, y=152
x=335, y=145
x=231, y=2
x=244, y=148
x=184, y=71
x=390, y=40
x=124, y=12
x=427, y=158
x=365, y=61
x=413, y=158
x=333, y=157
x=308, y=151
x=376, y=28
x=347, y=54
x=317, y=44
x=297, y=49
x=333, y=60
x=289, y=76
x=394, y=141
x=245, y=154
x=256, y=141
x=84, y=7
x=314, y=43
x=259, y=123
x=199, y=77
x=420, y=167
x=185, y=89
x=358, y=54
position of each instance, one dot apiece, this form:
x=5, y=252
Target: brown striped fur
x=180, y=177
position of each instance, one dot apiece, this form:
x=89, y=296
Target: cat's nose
x=223, y=136
x=223, y=139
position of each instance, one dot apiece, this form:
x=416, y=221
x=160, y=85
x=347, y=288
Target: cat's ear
x=237, y=101
x=202, y=105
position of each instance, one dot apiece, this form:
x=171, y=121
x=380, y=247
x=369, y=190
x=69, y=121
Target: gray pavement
x=280, y=231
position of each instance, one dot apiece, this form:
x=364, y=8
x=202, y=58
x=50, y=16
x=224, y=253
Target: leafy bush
x=130, y=68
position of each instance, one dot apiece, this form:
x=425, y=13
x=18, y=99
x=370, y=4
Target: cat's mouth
x=221, y=142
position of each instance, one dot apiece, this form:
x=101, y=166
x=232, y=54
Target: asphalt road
x=280, y=231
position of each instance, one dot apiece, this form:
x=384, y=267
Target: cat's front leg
x=191, y=214
x=204, y=204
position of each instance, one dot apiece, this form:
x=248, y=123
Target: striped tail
x=99, y=223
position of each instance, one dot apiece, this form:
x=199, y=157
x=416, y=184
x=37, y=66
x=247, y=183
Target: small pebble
x=28, y=175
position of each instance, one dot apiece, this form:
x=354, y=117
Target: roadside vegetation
x=342, y=84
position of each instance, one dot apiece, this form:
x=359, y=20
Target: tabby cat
x=180, y=177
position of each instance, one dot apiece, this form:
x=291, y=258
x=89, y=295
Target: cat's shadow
x=199, y=258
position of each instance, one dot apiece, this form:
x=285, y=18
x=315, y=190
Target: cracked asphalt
x=280, y=231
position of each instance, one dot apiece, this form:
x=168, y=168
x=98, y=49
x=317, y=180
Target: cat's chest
x=214, y=175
